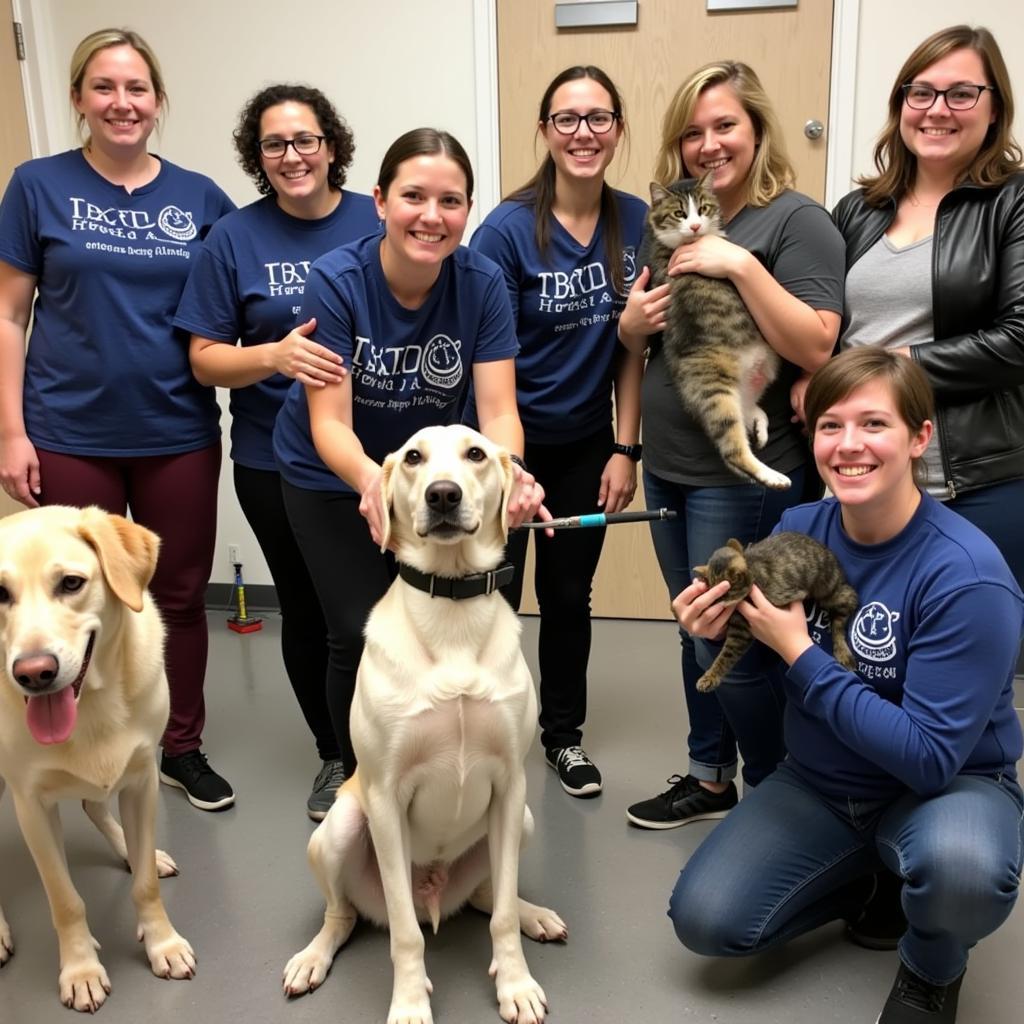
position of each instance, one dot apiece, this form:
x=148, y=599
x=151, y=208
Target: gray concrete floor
x=246, y=900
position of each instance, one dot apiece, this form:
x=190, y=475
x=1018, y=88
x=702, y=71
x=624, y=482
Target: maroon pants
x=176, y=497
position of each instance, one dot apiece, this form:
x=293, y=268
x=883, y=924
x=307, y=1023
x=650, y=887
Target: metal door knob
x=814, y=129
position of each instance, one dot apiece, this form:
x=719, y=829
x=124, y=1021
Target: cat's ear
x=700, y=572
x=733, y=543
x=705, y=180
x=658, y=192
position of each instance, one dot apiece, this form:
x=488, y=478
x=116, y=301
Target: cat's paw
x=774, y=481
x=760, y=427
x=708, y=681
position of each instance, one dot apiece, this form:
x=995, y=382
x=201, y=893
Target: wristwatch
x=631, y=451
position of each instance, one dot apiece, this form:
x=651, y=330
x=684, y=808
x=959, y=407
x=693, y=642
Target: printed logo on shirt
x=397, y=378
x=286, y=278
x=172, y=229
x=177, y=224
x=872, y=636
x=582, y=290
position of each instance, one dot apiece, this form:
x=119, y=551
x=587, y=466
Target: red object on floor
x=244, y=625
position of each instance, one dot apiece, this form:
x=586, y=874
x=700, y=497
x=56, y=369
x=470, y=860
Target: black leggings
x=350, y=575
x=565, y=565
x=303, y=633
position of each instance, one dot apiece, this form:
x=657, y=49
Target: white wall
x=388, y=65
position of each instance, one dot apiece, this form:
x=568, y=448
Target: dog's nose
x=443, y=495
x=37, y=671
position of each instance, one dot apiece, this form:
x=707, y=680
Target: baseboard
x=258, y=596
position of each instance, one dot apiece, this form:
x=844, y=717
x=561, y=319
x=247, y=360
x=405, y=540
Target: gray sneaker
x=325, y=785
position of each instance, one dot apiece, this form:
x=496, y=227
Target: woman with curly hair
x=241, y=306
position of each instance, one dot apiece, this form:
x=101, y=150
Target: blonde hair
x=103, y=39
x=999, y=156
x=771, y=173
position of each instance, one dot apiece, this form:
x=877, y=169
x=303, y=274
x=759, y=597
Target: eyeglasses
x=600, y=122
x=304, y=145
x=958, y=97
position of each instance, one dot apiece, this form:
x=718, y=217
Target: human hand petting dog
x=371, y=507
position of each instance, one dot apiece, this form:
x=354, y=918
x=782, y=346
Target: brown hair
x=103, y=39
x=771, y=173
x=999, y=156
x=840, y=377
x=423, y=142
x=539, y=191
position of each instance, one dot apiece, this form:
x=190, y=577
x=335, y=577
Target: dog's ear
x=126, y=551
x=508, y=482
x=387, y=499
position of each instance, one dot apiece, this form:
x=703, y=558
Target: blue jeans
x=788, y=859
x=990, y=509
x=746, y=710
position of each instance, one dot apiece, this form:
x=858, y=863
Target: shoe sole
x=203, y=805
x=661, y=825
x=872, y=942
x=315, y=815
x=589, y=790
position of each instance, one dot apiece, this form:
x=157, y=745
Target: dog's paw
x=170, y=956
x=84, y=986
x=541, y=923
x=165, y=866
x=305, y=972
x=520, y=999
x=405, y=1011
x=6, y=942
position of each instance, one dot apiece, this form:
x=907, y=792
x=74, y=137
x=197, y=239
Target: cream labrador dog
x=83, y=704
x=443, y=715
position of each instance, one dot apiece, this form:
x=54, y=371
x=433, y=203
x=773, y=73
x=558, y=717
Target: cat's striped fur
x=716, y=356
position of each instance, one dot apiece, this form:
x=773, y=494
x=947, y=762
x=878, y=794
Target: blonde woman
x=786, y=260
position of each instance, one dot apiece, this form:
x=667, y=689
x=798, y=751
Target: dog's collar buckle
x=458, y=588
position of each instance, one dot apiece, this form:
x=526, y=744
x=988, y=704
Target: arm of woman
x=618, y=481
x=960, y=658
x=19, y=464
x=991, y=357
x=296, y=355
x=801, y=334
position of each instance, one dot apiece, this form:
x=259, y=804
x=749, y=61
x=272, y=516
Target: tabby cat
x=717, y=359
x=787, y=567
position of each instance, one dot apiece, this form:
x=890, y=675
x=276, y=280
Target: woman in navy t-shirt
x=415, y=318
x=247, y=287
x=95, y=246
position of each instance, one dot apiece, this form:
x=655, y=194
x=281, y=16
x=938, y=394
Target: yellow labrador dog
x=443, y=715
x=83, y=704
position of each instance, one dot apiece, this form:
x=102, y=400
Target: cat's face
x=727, y=563
x=683, y=212
x=584, y=154
x=720, y=140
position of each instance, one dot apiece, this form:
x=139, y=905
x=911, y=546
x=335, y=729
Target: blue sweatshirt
x=936, y=638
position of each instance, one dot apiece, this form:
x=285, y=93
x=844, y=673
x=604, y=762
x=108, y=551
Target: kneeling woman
x=908, y=763
x=416, y=318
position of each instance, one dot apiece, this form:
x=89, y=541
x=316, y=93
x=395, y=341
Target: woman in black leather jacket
x=935, y=269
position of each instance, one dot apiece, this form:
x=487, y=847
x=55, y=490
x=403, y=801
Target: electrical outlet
x=233, y=555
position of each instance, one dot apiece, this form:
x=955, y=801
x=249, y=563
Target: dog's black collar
x=460, y=587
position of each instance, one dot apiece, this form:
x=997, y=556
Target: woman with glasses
x=935, y=269
x=241, y=306
x=95, y=247
x=567, y=242
x=414, y=317
x=785, y=258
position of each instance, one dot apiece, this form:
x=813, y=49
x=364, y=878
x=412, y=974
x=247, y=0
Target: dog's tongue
x=51, y=718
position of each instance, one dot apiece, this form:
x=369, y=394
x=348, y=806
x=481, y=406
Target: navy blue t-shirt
x=248, y=282
x=106, y=372
x=409, y=368
x=567, y=314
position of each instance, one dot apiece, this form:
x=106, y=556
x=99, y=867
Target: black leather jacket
x=976, y=362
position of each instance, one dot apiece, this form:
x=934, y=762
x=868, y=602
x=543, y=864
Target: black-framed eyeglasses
x=567, y=122
x=304, y=145
x=964, y=96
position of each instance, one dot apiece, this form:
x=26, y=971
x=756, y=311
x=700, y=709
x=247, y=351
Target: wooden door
x=789, y=48
x=15, y=147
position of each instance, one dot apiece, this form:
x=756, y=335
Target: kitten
x=717, y=358
x=787, y=567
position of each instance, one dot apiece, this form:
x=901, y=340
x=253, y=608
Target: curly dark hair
x=332, y=126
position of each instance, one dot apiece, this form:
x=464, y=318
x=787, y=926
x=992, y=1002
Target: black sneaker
x=576, y=772
x=686, y=801
x=881, y=923
x=916, y=1001
x=191, y=772
x=325, y=785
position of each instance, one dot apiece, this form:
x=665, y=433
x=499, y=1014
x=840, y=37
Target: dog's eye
x=413, y=457
x=475, y=454
x=5, y=595
x=71, y=584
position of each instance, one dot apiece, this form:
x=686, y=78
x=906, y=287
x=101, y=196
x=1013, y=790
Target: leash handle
x=601, y=519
